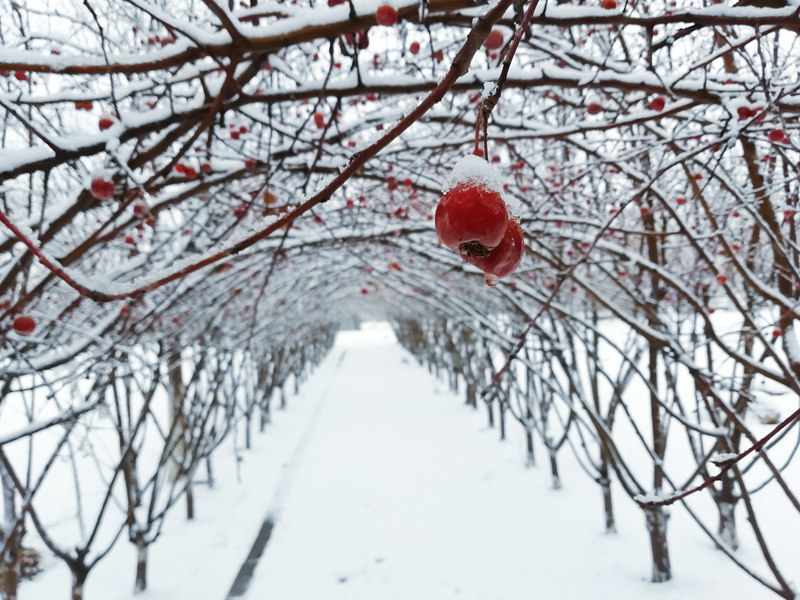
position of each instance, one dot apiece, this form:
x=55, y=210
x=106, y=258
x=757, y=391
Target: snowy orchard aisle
x=403, y=493
x=384, y=485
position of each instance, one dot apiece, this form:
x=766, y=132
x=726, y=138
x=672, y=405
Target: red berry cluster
x=472, y=219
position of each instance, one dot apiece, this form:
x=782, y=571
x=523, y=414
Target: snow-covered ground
x=383, y=485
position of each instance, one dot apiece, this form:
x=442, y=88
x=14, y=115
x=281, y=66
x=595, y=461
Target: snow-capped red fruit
x=20, y=76
x=139, y=210
x=608, y=4
x=125, y=311
x=657, y=104
x=505, y=258
x=190, y=172
x=319, y=120
x=414, y=48
x=386, y=15
x=494, y=40
x=249, y=163
x=102, y=188
x=336, y=2
x=105, y=122
x=594, y=108
x=721, y=279
x=240, y=211
x=205, y=167
x=87, y=105
x=24, y=325
x=471, y=219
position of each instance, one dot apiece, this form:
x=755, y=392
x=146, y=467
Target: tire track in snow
x=245, y=575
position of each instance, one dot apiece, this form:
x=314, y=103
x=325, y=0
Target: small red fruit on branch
x=494, y=40
x=778, y=136
x=105, y=122
x=102, y=188
x=24, y=325
x=594, y=108
x=386, y=15
x=608, y=4
x=657, y=104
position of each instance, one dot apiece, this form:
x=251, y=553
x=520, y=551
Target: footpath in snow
x=402, y=492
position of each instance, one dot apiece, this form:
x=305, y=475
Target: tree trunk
x=530, y=459
x=472, y=396
x=247, y=419
x=176, y=398
x=189, y=493
x=657, y=517
x=141, y=567
x=501, y=409
x=79, y=573
x=12, y=543
x=608, y=506
x=209, y=473
x=264, y=418
x=554, y=470
x=10, y=566
x=726, y=505
x=283, y=398
x=657, y=527
x=490, y=412
x=605, y=484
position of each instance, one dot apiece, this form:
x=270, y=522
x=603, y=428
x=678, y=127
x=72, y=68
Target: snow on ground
x=383, y=485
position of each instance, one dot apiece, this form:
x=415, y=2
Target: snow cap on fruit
x=473, y=168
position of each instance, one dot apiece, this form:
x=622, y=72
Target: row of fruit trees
x=195, y=194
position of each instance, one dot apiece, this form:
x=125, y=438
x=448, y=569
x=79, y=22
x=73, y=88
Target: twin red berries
x=472, y=219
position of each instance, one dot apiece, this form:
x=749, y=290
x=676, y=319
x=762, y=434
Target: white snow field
x=383, y=485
